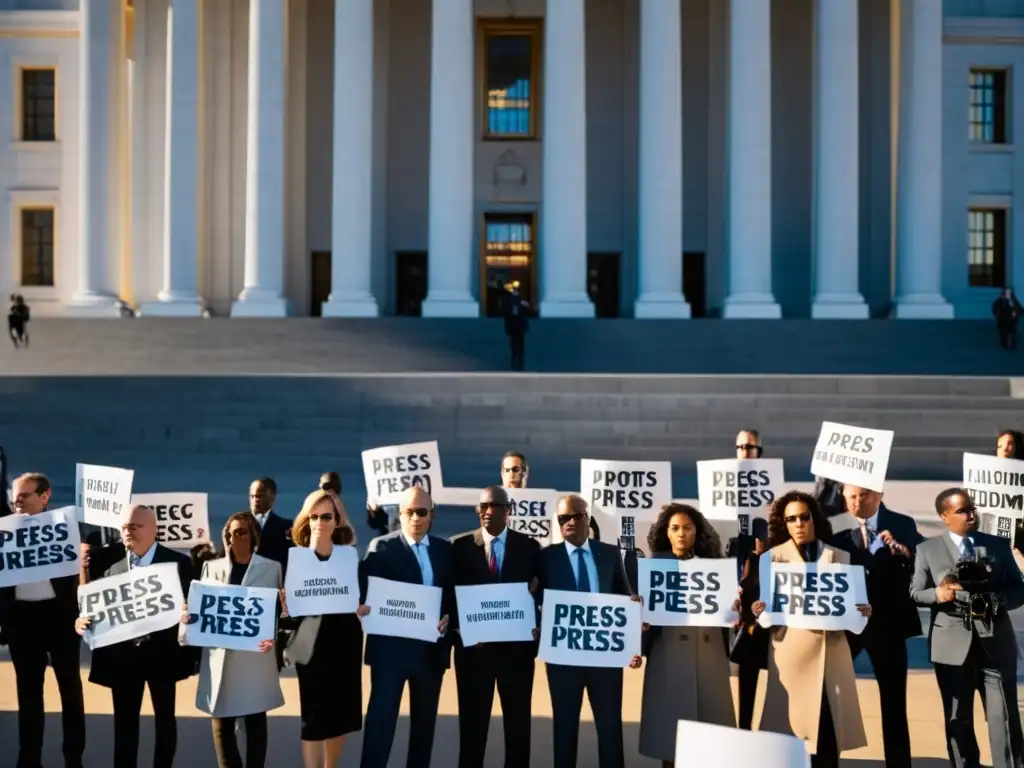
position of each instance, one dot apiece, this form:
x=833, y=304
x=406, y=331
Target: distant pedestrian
x=17, y=318
x=1007, y=311
x=516, y=325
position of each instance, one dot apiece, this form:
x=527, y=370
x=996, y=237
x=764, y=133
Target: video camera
x=973, y=573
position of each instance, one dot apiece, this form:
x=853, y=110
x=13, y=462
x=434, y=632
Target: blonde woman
x=327, y=651
x=244, y=684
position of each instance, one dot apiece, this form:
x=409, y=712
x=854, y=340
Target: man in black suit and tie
x=415, y=557
x=977, y=654
x=583, y=564
x=155, y=660
x=884, y=542
x=494, y=554
x=37, y=621
x=275, y=531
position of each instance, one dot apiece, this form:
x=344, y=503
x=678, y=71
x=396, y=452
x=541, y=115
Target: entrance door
x=410, y=283
x=694, y=286
x=319, y=281
x=603, y=283
x=507, y=260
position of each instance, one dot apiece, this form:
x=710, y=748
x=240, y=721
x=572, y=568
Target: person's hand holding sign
x=266, y=645
x=864, y=610
x=363, y=610
x=284, y=604
x=892, y=544
x=758, y=608
x=82, y=624
x=442, y=625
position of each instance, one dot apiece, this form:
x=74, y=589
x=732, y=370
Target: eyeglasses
x=322, y=518
x=495, y=505
x=804, y=518
x=417, y=511
x=563, y=519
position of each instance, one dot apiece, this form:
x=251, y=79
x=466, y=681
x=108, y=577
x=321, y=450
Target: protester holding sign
x=687, y=674
x=156, y=660
x=494, y=554
x=37, y=621
x=326, y=650
x=235, y=684
x=582, y=564
x=412, y=556
x=812, y=688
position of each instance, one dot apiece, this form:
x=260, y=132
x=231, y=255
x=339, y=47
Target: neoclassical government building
x=632, y=158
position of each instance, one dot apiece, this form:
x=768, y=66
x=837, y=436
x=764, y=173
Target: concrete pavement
x=195, y=746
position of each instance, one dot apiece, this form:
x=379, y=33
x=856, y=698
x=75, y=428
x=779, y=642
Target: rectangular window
x=37, y=247
x=508, y=259
x=987, y=111
x=38, y=105
x=986, y=247
x=510, y=64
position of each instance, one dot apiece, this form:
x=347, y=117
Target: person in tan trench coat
x=812, y=688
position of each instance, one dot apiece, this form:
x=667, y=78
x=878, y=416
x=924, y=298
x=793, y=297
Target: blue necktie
x=582, y=577
x=968, y=547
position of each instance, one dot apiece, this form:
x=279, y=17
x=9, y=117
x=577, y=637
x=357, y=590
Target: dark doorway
x=507, y=260
x=603, y=283
x=694, y=285
x=410, y=283
x=319, y=281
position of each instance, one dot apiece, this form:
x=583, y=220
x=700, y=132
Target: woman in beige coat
x=240, y=684
x=812, y=688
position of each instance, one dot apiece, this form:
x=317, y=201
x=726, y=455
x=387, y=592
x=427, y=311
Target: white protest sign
x=584, y=629
x=103, y=494
x=699, y=592
x=314, y=587
x=706, y=744
x=399, y=609
x=131, y=605
x=182, y=519
x=38, y=547
x=533, y=512
x=733, y=488
x=231, y=617
x=812, y=595
x=997, y=490
x=393, y=469
x=625, y=492
x=852, y=455
x=495, y=613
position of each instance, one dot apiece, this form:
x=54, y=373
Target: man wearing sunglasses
x=979, y=654
x=494, y=554
x=413, y=556
x=515, y=472
x=582, y=564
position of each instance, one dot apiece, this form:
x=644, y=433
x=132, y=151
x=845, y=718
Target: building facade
x=636, y=158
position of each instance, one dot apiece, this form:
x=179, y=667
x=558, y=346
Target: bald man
x=155, y=660
x=411, y=555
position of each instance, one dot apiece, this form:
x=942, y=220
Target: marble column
x=178, y=296
x=661, y=162
x=750, y=162
x=450, y=246
x=98, y=227
x=919, y=165
x=265, y=166
x=352, y=202
x=564, y=159
x=836, y=162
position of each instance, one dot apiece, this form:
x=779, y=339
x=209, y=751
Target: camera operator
x=970, y=582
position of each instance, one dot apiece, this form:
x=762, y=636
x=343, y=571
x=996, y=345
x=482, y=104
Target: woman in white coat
x=244, y=684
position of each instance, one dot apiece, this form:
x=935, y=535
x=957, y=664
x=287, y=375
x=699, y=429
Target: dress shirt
x=146, y=559
x=589, y=559
x=499, y=551
x=422, y=553
x=875, y=542
x=261, y=519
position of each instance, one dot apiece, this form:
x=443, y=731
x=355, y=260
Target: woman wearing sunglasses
x=812, y=688
x=327, y=651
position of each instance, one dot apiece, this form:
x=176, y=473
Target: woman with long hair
x=687, y=674
x=326, y=650
x=812, y=688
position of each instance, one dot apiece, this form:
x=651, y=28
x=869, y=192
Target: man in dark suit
x=413, y=556
x=884, y=542
x=37, y=621
x=275, y=531
x=972, y=654
x=155, y=660
x=493, y=554
x=582, y=564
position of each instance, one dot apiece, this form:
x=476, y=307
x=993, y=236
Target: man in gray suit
x=981, y=655
x=582, y=564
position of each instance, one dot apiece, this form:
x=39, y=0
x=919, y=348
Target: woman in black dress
x=328, y=650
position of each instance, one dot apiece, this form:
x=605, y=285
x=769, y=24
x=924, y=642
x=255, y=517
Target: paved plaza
x=195, y=745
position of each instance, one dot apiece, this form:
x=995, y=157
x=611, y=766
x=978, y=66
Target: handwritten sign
x=315, y=587
x=852, y=455
x=182, y=519
x=688, y=593
x=38, y=547
x=103, y=494
x=492, y=613
x=230, y=617
x=585, y=629
x=131, y=605
x=391, y=470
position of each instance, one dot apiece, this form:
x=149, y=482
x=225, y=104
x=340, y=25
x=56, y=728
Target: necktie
x=133, y=560
x=865, y=536
x=582, y=577
x=967, y=547
x=492, y=563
